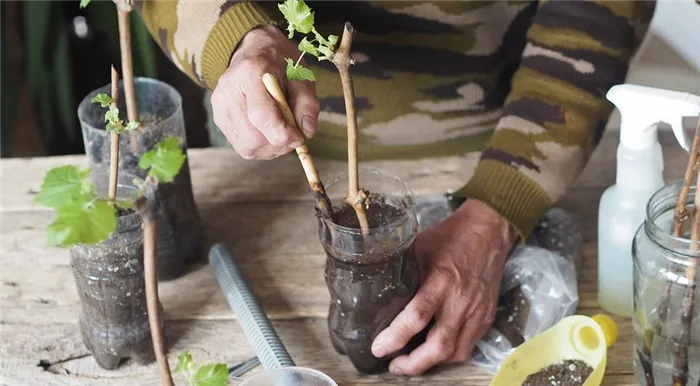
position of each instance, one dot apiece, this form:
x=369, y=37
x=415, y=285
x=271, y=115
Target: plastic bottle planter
x=110, y=281
x=660, y=263
x=372, y=278
x=160, y=115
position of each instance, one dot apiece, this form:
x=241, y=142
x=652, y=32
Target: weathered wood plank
x=222, y=341
x=283, y=259
x=220, y=176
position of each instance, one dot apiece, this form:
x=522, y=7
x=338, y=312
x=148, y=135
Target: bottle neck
x=640, y=169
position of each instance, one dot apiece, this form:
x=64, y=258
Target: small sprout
x=114, y=124
x=298, y=72
x=84, y=3
x=213, y=374
x=165, y=161
x=298, y=15
x=300, y=19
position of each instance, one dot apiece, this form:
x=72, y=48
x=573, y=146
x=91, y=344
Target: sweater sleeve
x=199, y=37
x=556, y=111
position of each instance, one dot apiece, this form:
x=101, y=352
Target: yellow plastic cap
x=608, y=326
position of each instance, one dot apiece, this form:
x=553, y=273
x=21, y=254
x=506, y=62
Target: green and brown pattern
x=522, y=82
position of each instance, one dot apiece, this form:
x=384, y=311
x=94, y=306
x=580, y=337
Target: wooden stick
x=114, y=148
x=148, y=206
x=341, y=58
x=124, y=12
x=680, y=360
x=322, y=200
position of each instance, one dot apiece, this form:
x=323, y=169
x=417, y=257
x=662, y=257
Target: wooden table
x=262, y=210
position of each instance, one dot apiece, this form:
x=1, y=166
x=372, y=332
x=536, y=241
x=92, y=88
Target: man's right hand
x=244, y=110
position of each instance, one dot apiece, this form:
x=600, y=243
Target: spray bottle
x=639, y=175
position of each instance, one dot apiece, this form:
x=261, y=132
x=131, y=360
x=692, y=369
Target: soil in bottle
x=110, y=283
x=366, y=295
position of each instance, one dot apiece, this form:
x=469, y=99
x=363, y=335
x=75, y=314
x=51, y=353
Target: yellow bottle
x=575, y=337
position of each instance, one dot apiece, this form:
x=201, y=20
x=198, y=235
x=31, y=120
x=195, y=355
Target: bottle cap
x=609, y=328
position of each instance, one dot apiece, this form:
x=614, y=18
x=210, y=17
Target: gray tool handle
x=256, y=326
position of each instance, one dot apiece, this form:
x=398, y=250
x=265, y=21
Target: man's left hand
x=462, y=259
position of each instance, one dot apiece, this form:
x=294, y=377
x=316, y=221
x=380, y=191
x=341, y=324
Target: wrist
x=494, y=222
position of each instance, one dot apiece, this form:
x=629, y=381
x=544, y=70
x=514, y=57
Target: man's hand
x=244, y=110
x=463, y=260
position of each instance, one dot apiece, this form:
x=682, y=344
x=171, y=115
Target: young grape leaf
x=112, y=115
x=306, y=46
x=215, y=374
x=327, y=52
x=132, y=125
x=164, y=161
x=298, y=72
x=103, y=99
x=64, y=184
x=84, y=3
x=332, y=40
x=79, y=222
x=298, y=15
x=185, y=363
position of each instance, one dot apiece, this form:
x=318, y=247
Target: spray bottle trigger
x=679, y=132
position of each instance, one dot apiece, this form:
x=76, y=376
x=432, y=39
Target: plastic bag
x=539, y=285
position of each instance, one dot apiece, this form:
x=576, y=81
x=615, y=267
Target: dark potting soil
x=512, y=315
x=562, y=373
x=121, y=212
x=366, y=297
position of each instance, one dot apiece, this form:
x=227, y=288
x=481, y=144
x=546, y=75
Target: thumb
x=305, y=106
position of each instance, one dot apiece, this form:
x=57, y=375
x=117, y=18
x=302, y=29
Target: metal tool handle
x=256, y=326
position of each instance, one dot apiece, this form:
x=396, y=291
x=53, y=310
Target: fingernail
x=378, y=350
x=397, y=371
x=308, y=126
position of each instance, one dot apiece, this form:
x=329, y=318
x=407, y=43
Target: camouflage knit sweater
x=523, y=83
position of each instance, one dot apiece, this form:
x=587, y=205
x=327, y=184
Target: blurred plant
x=50, y=41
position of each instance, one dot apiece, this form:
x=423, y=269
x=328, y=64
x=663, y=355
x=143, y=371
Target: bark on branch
x=357, y=197
x=148, y=206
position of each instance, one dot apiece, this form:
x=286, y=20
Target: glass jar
x=109, y=277
x=370, y=278
x=160, y=114
x=662, y=273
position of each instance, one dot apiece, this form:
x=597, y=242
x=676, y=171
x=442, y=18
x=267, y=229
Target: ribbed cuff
x=510, y=193
x=229, y=30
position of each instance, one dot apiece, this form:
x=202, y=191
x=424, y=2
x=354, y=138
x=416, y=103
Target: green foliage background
x=49, y=63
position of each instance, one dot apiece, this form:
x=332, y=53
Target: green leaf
x=64, y=184
x=164, y=161
x=327, y=52
x=298, y=15
x=132, y=125
x=103, y=99
x=332, y=40
x=298, y=72
x=185, y=363
x=84, y=3
x=81, y=223
x=215, y=374
x=306, y=46
x=112, y=115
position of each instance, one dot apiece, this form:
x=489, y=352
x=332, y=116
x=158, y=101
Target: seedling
x=300, y=19
x=82, y=217
x=211, y=374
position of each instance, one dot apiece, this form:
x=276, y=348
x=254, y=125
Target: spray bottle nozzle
x=642, y=108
